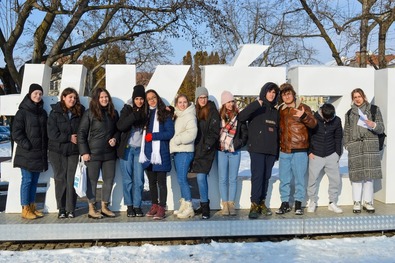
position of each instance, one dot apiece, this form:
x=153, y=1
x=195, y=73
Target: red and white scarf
x=227, y=134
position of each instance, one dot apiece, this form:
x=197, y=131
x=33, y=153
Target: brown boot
x=264, y=209
x=231, y=207
x=105, y=211
x=35, y=211
x=93, y=213
x=225, y=209
x=27, y=213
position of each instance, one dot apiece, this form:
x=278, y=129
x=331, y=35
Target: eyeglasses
x=152, y=98
x=202, y=97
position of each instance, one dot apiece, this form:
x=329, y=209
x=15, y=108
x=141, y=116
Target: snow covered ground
x=361, y=250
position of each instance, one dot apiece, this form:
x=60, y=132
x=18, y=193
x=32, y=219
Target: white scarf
x=155, y=155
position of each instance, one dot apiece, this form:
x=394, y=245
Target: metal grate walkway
x=14, y=228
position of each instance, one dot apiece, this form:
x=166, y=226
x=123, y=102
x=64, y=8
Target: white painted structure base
x=13, y=177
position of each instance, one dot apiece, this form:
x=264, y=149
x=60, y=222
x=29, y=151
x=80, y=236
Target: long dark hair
x=95, y=106
x=202, y=112
x=76, y=109
x=163, y=113
x=144, y=109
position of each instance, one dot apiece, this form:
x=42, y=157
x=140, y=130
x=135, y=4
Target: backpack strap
x=373, y=110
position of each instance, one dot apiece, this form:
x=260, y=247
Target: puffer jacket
x=294, y=133
x=206, y=141
x=60, y=128
x=241, y=136
x=327, y=136
x=29, y=131
x=185, y=128
x=93, y=136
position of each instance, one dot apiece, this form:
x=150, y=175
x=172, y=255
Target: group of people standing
x=148, y=135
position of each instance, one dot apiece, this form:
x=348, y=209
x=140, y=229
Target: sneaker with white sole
x=334, y=208
x=357, y=207
x=368, y=207
x=312, y=207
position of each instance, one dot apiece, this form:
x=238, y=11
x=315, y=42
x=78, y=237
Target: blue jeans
x=28, y=186
x=228, y=169
x=293, y=165
x=203, y=187
x=132, y=177
x=182, y=160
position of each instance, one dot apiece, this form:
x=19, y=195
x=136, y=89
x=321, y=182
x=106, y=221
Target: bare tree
x=59, y=28
x=345, y=26
x=254, y=21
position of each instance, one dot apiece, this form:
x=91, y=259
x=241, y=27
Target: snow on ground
x=361, y=250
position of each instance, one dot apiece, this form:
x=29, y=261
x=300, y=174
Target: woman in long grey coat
x=362, y=144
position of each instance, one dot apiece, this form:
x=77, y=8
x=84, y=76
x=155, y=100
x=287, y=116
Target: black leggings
x=157, y=179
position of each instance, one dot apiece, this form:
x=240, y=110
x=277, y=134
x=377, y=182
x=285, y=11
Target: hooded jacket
x=263, y=125
x=185, y=130
x=29, y=131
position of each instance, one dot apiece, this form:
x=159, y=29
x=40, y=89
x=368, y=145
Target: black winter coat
x=60, y=128
x=263, y=127
x=29, y=131
x=93, y=136
x=241, y=137
x=326, y=137
x=129, y=119
x=206, y=141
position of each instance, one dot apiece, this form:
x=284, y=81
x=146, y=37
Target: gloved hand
x=148, y=137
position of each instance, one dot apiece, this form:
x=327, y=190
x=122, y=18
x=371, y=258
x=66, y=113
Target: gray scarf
x=358, y=132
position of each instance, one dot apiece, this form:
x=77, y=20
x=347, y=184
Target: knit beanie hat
x=226, y=96
x=265, y=89
x=138, y=91
x=34, y=87
x=201, y=91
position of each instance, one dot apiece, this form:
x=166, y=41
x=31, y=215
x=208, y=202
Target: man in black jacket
x=325, y=151
x=263, y=125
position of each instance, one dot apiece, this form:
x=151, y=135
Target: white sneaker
x=334, y=208
x=357, y=207
x=312, y=207
x=368, y=207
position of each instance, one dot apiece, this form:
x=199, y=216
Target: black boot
x=205, y=210
x=130, y=212
x=298, y=208
x=284, y=208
